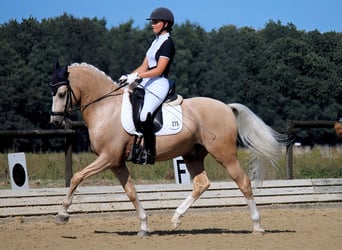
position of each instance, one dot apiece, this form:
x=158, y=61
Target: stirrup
x=139, y=155
x=148, y=157
x=135, y=153
x=142, y=158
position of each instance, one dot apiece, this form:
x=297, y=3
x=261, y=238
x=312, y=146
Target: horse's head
x=61, y=93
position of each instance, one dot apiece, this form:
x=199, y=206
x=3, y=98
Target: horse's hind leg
x=200, y=182
x=124, y=177
x=244, y=184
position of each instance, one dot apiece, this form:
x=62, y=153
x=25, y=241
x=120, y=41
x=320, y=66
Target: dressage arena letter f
x=181, y=173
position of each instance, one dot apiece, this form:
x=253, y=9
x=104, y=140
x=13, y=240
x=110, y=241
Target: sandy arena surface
x=310, y=227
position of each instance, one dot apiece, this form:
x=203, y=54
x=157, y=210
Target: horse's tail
x=263, y=142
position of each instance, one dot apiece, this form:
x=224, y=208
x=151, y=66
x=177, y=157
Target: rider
x=154, y=72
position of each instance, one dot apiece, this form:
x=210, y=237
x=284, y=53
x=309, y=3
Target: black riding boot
x=149, y=140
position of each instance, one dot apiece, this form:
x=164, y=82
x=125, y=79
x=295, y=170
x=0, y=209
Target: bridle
x=69, y=109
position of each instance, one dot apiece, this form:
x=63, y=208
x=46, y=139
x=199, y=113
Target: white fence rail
x=97, y=199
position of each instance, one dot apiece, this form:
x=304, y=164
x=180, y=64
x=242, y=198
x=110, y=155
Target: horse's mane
x=91, y=67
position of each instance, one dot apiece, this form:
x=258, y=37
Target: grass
x=318, y=162
x=47, y=170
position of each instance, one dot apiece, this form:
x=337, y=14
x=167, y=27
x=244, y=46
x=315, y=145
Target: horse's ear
x=65, y=72
x=55, y=64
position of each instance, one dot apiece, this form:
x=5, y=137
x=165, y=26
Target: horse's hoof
x=144, y=233
x=62, y=218
x=175, y=222
x=258, y=230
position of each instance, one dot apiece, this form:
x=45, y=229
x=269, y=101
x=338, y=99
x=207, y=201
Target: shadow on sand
x=193, y=232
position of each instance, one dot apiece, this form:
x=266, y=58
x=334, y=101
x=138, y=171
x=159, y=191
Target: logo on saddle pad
x=172, y=122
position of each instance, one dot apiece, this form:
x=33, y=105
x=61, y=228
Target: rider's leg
x=155, y=93
x=149, y=140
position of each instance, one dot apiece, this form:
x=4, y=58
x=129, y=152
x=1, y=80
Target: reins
x=109, y=94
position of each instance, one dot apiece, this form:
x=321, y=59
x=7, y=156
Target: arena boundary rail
x=70, y=128
x=100, y=199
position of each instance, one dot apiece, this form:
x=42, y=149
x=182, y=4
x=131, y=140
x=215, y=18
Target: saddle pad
x=172, y=118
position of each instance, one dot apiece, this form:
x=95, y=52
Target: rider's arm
x=157, y=71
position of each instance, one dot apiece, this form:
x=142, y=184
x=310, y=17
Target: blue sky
x=323, y=15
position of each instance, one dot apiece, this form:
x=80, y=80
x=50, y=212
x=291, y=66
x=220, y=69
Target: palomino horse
x=209, y=126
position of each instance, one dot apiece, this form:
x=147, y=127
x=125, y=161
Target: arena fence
x=71, y=126
x=100, y=199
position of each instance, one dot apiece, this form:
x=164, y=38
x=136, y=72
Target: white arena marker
x=182, y=175
x=18, y=171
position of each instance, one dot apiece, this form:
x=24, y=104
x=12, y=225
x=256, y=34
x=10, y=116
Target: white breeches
x=156, y=90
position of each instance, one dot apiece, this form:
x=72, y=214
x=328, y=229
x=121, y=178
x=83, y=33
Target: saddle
x=138, y=152
x=137, y=101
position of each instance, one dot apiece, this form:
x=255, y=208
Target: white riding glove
x=122, y=79
x=133, y=78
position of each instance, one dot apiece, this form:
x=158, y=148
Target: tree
x=189, y=65
x=280, y=72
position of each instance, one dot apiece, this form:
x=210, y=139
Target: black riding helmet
x=163, y=14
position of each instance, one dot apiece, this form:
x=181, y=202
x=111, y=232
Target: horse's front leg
x=95, y=167
x=123, y=175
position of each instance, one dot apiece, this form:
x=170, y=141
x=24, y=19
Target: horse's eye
x=61, y=95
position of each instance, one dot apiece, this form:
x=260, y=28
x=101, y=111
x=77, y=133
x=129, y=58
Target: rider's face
x=157, y=25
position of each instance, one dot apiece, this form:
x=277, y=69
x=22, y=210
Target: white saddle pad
x=172, y=118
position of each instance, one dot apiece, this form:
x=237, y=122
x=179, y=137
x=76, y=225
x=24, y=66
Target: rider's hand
x=133, y=78
x=122, y=79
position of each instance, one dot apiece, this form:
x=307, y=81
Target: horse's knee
x=201, y=184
